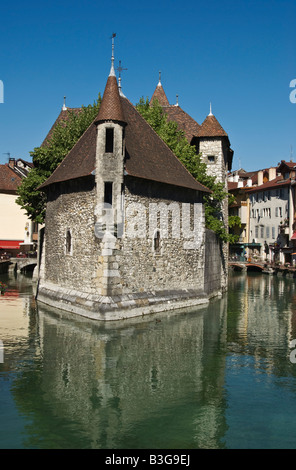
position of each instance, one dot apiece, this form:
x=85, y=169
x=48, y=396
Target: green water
x=216, y=377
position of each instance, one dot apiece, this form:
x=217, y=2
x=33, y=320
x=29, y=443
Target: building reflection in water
x=152, y=382
x=157, y=381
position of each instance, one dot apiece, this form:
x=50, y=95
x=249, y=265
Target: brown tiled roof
x=290, y=165
x=211, y=128
x=277, y=182
x=61, y=119
x=110, y=109
x=147, y=156
x=79, y=162
x=185, y=122
x=160, y=96
x=9, y=180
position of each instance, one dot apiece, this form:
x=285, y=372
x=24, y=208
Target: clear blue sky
x=239, y=55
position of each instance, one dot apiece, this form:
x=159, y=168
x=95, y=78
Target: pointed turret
x=111, y=109
x=211, y=127
x=159, y=94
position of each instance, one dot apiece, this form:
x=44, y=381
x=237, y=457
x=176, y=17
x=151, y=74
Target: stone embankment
x=266, y=268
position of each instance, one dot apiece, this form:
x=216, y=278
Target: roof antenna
x=159, y=82
x=291, y=154
x=210, y=110
x=64, y=108
x=112, y=71
x=119, y=70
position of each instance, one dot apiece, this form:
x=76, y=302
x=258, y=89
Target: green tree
x=49, y=155
x=177, y=142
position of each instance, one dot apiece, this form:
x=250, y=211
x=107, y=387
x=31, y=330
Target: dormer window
x=109, y=140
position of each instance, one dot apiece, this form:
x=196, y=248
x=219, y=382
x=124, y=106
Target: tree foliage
x=48, y=156
x=177, y=142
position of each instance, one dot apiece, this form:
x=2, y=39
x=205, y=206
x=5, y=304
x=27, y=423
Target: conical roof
x=211, y=128
x=111, y=109
x=160, y=96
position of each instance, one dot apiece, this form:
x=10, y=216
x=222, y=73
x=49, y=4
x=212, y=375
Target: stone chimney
x=260, y=177
x=271, y=173
x=11, y=162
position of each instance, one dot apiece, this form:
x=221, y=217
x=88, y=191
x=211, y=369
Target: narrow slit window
x=68, y=242
x=109, y=139
x=108, y=193
x=156, y=242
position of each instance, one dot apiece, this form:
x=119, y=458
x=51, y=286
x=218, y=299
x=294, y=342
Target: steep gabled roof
x=185, y=122
x=9, y=180
x=147, y=156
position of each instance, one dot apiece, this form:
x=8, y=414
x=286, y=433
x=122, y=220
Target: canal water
x=220, y=376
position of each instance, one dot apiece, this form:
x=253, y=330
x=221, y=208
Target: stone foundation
x=119, y=307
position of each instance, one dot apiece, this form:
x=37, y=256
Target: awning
x=293, y=236
x=10, y=244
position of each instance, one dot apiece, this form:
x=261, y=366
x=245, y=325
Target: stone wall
x=70, y=207
x=178, y=263
x=215, y=284
x=155, y=265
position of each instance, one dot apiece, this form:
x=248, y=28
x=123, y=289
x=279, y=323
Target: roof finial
x=177, y=100
x=159, y=82
x=112, y=71
x=64, y=108
x=119, y=70
x=210, y=110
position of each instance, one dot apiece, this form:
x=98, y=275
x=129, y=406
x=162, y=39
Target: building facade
x=17, y=232
x=125, y=231
x=269, y=198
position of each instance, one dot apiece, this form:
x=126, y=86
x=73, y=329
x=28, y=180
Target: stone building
x=271, y=213
x=213, y=144
x=124, y=231
x=17, y=232
x=265, y=201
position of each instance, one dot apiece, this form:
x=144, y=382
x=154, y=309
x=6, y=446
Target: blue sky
x=239, y=55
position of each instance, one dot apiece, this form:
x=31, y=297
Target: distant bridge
x=22, y=265
x=245, y=266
